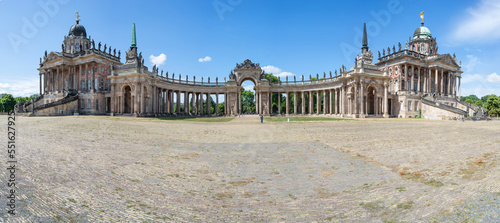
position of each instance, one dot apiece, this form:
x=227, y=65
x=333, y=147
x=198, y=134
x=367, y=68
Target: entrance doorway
x=248, y=105
x=127, y=100
x=370, y=97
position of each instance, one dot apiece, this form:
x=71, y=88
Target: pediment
x=52, y=56
x=448, y=59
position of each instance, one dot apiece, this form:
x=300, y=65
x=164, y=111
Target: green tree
x=21, y=99
x=470, y=101
x=493, y=105
x=221, y=107
x=472, y=97
x=479, y=103
x=8, y=103
x=484, y=98
x=247, y=101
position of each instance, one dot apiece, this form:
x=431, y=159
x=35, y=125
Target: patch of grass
x=406, y=205
x=372, y=206
x=401, y=189
x=72, y=200
x=223, y=195
x=195, y=119
x=242, y=182
x=434, y=183
x=303, y=119
x=119, y=189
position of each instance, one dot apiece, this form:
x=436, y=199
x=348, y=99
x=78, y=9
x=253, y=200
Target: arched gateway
x=93, y=80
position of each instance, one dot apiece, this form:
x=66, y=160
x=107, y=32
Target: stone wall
x=64, y=109
x=431, y=112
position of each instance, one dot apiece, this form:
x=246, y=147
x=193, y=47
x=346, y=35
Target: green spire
x=134, y=42
x=365, y=39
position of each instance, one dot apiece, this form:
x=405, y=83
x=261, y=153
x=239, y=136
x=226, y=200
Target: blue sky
x=207, y=38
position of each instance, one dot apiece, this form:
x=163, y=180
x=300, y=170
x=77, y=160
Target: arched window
x=390, y=72
x=422, y=48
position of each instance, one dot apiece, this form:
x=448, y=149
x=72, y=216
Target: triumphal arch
x=89, y=78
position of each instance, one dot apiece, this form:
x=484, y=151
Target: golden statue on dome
x=422, y=16
x=77, y=16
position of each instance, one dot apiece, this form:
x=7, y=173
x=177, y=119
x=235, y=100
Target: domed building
x=406, y=81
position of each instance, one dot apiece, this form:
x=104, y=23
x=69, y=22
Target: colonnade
x=82, y=78
x=345, y=100
x=434, y=79
x=161, y=101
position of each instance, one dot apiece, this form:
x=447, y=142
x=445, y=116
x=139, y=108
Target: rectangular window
x=416, y=106
x=83, y=103
x=96, y=104
x=409, y=106
x=89, y=104
x=83, y=85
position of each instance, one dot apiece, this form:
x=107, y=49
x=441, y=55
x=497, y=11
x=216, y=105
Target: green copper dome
x=422, y=32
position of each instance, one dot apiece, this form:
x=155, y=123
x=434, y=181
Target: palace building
x=405, y=81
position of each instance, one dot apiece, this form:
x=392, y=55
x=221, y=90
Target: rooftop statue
x=77, y=16
x=422, y=16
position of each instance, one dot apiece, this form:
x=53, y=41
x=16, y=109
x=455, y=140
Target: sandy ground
x=122, y=169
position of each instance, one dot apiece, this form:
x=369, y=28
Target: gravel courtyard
x=123, y=169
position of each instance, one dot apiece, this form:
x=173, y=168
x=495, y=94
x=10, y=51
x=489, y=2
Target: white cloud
x=472, y=61
x=492, y=78
x=479, y=24
x=22, y=88
x=248, y=87
x=159, y=60
x=472, y=78
x=472, y=50
x=276, y=71
x=205, y=59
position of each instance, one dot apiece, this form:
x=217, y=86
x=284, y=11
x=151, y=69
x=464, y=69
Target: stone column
x=459, y=80
x=136, y=98
x=178, y=103
x=92, y=84
x=436, y=87
x=197, y=103
x=405, y=87
x=257, y=102
x=400, y=84
x=239, y=101
x=310, y=103
x=412, y=78
x=270, y=102
x=355, y=97
x=77, y=78
x=325, y=102
x=208, y=105
x=287, y=106
x=337, y=99
x=225, y=104
x=385, y=105
x=216, y=104
x=303, y=110
x=40, y=83
x=86, y=78
x=63, y=79
x=186, y=103
x=342, y=101
x=279, y=103
x=449, y=83
x=441, y=88
x=295, y=103
x=331, y=101
x=362, y=97
x=318, y=102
